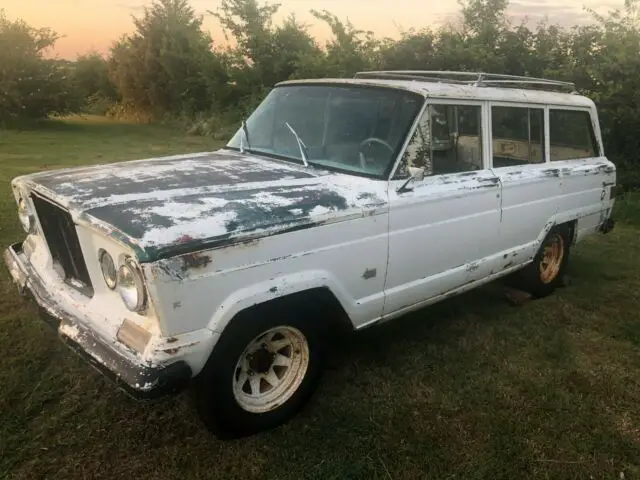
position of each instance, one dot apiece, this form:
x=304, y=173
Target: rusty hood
x=171, y=205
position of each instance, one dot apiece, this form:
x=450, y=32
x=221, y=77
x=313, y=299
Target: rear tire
x=546, y=273
x=262, y=372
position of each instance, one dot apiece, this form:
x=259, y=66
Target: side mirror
x=416, y=174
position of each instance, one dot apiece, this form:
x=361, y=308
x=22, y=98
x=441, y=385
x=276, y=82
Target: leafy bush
x=216, y=126
x=32, y=87
x=167, y=65
x=627, y=208
x=169, y=70
x=91, y=78
x=130, y=112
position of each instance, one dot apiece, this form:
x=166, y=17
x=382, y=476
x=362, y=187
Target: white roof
x=458, y=91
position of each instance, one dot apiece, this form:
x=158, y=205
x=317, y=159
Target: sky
x=94, y=24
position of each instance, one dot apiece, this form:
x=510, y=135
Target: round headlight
x=23, y=214
x=108, y=268
x=131, y=286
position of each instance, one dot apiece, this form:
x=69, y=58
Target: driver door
x=443, y=227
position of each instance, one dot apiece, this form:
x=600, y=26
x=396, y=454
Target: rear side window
x=517, y=136
x=571, y=135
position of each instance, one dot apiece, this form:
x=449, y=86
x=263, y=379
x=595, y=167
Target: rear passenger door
x=587, y=177
x=530, y=187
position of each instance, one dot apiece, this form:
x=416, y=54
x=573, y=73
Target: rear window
x=517, y=135
x=571, y=135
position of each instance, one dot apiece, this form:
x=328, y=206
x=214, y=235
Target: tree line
x=169, y=67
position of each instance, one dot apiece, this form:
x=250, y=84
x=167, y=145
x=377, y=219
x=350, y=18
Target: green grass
x=469, y=388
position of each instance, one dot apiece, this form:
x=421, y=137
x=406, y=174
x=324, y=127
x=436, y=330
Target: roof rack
x=478, y=79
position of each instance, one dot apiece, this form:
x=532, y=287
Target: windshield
x=354, y=129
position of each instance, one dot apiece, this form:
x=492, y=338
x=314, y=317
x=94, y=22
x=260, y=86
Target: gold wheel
x=552, y=256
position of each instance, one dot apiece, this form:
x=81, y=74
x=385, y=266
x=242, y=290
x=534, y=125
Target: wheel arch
x=573, y=231
x=555, y=222
x=304, y=288
x=337, y=322
x=330, y=309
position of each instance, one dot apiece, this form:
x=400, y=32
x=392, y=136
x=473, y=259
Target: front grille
x=60, y=234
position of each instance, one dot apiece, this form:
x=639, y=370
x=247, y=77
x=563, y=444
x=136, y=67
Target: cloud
x=568, y=14
x=139, y=5
x=133, y=6
x=534, y=11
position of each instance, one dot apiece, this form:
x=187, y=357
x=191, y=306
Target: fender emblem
x=369, y=273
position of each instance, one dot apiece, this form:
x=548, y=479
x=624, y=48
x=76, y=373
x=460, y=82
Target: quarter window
x=517, y=135
x=448, y=139
x=571, y=135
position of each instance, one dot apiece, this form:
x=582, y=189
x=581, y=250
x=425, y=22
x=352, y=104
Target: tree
x=350, y=50
x=265, y=54
x=91, y=75
x=91, y=78
x=603, y=59
x=168, y=66
x=484, y=20
x=31, y=87
x=296, y=48
x=250, y=24
x=413, y=51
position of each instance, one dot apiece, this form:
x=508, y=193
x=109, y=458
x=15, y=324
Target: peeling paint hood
x=165, y=206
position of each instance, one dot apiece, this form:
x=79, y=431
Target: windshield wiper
x=245, y=130
x=301, y=145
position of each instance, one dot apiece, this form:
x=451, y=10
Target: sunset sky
x=95, y=24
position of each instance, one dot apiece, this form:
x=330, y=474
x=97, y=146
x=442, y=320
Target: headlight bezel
x=111, y=283
x=130, y=277
x=24, y=215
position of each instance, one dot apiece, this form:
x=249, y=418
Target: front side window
x=448, y=139
x=352, y=129
x=571, y=135
x=517, y=135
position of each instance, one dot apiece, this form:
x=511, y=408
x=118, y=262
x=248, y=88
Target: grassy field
x=470, y=388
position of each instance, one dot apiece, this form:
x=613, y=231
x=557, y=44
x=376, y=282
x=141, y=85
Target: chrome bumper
x=138, y=381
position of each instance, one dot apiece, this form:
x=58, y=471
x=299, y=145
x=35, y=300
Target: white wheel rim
x=270, y=369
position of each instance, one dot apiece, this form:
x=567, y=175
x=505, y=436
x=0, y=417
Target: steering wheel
x=371, y=140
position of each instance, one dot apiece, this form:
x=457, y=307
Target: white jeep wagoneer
x=223, y=272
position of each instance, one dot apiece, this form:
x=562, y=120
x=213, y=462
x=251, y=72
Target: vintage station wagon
x=339, y=204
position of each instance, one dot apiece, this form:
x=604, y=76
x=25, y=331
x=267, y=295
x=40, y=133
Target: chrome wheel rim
x=270, y=369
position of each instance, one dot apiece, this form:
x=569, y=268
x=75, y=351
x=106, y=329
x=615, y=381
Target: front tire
x=262, y=372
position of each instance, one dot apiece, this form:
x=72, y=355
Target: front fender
x=274, y=288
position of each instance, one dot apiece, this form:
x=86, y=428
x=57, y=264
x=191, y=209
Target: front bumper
x=138, y=381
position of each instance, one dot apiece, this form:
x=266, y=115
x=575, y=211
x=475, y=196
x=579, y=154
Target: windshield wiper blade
x=245, y=130
x=301, y=145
